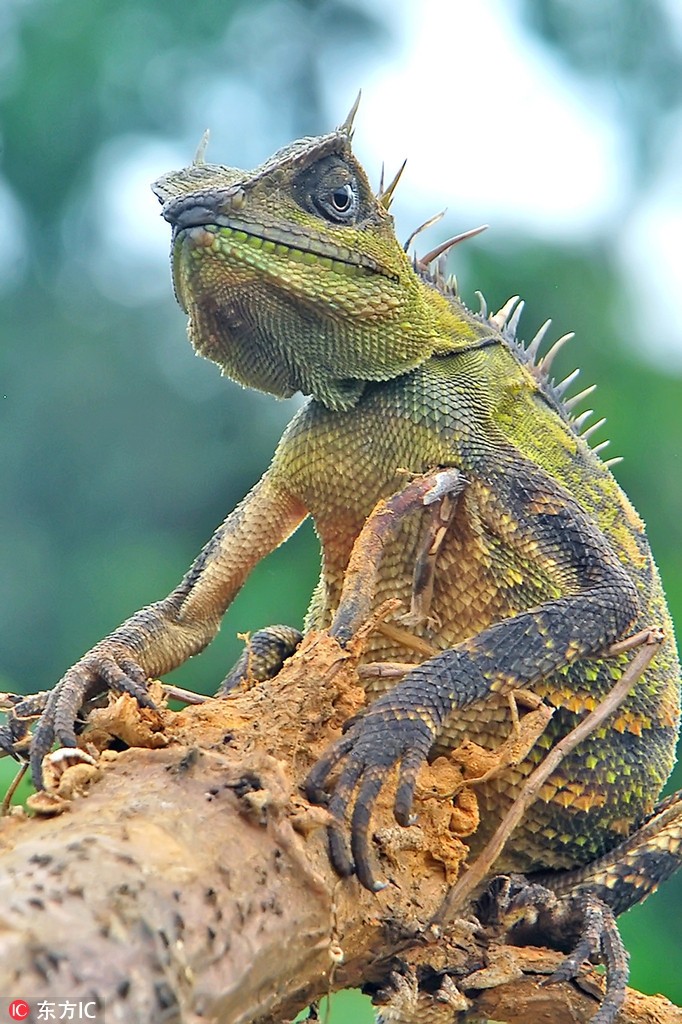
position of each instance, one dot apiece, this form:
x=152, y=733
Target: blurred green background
x=120, y=451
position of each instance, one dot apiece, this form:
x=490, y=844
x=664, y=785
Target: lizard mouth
x=296, y=243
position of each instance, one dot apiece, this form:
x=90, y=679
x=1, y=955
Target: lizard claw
x=99, y=670
x=375, y=743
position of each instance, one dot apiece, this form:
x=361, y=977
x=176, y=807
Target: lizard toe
x=407, y=781
x=315, y=782
x=119, y=680
x=341, y=860
x=360, y=834
x=338, y=806
x=599, y=941
x=41, y=744
x=96, y=672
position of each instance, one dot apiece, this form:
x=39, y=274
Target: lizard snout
x=200, y=209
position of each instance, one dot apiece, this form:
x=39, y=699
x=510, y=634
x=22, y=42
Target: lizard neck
x=457, y=328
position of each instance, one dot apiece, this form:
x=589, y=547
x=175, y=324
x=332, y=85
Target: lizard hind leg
x=627, y=874
x=578, y=922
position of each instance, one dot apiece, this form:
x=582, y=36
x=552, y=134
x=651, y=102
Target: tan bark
x=191, y=881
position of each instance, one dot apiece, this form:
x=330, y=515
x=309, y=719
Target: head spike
x=200, y=155
x=548, y=359
x=422, y=227
x=600, y=447
x=347, y=125
x=571, y=403
x=613, y=462
x=483, y=311
x=500, y=318
x=385, y=195
x=450, y=243
x=534, y=344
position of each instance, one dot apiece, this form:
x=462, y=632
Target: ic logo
x=19, y=1009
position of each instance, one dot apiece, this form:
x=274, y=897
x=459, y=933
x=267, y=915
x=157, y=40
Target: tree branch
x=192, y=882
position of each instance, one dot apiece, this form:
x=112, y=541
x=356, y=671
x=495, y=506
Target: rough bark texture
x=191, y=882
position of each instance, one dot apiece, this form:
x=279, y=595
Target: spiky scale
x=513, y=324
x=200, y=155
x=562, y=387
x=441, y=249
x=423, y=227
x=593, y=429
x=571, y=403
x=500, y=318
x=452, y=286
x=533, y=346
x=551, y=355
x=579, y=421
x=347, y=126
x=385, y=195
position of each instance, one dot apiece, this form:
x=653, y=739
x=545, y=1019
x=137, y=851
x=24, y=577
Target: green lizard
x=294, y=281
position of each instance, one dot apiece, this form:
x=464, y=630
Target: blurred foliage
x=120, y=452
x=349, y=1007
x=113, y=435
x=631, y=53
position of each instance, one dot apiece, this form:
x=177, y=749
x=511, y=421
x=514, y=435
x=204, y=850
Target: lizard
x=294, y=281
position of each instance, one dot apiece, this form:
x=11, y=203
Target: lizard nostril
x=203, y=208
x=185, y=213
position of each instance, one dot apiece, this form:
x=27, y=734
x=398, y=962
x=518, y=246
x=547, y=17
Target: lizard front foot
x=108, y=666
x=373, y=744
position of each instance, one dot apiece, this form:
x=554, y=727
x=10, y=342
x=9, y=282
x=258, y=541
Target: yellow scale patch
x=292, y=253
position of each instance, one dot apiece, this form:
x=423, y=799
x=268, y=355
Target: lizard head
x=292, y=275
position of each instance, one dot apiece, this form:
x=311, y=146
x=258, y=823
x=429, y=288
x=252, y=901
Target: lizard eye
x=338, y=203
x=330, y=189
x=342, y=199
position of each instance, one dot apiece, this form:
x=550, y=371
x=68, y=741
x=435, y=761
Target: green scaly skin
x=293, y=280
